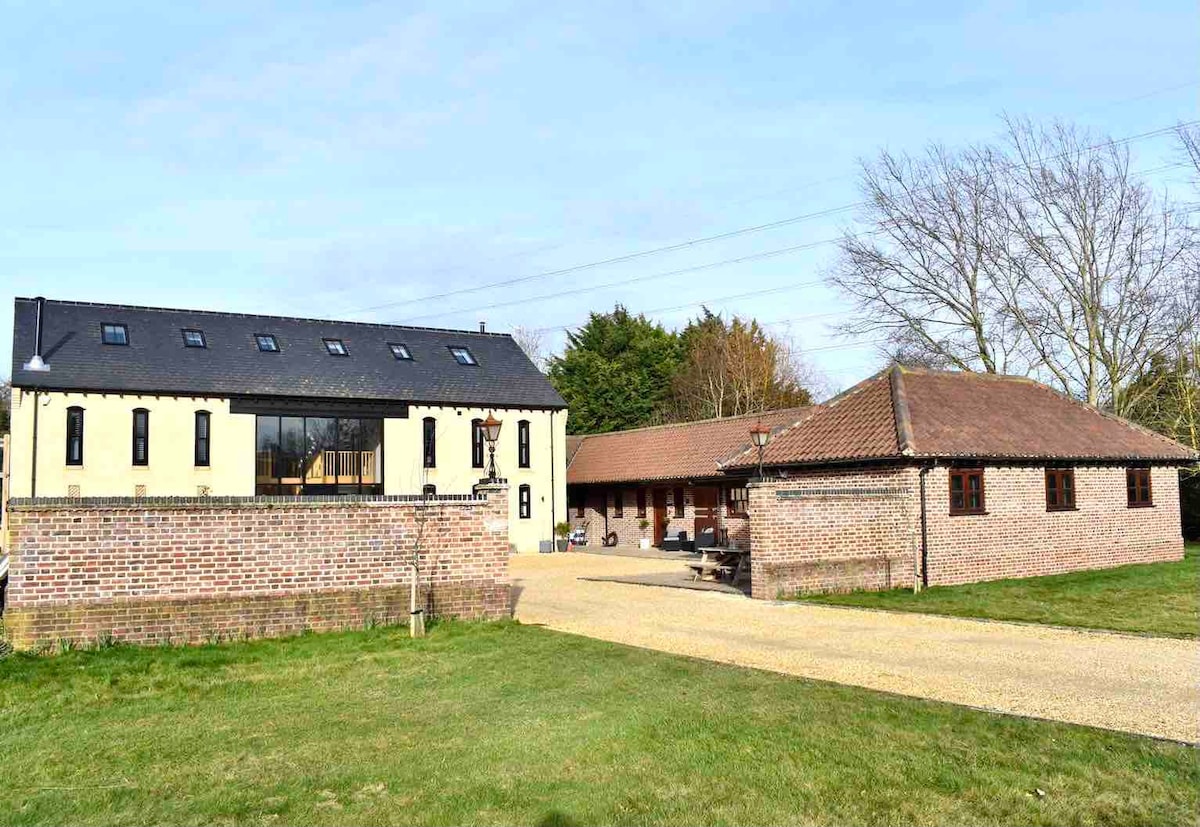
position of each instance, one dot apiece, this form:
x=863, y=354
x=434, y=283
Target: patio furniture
x=677, y=541
x=706, y=539
x=716, y=561
x=708, y=570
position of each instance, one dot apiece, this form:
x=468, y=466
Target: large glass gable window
x=311, y=455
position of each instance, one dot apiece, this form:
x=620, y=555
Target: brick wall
x=833, y=531
x=1017, y=537
x=860, y=529
x=194, y=569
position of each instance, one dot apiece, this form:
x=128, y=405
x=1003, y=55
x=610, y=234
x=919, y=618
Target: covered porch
x=670, y=514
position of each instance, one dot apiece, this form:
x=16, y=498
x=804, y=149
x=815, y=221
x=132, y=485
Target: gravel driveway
x=1142, y=685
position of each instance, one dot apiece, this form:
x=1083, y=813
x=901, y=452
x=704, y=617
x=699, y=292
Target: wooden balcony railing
x=326, y=468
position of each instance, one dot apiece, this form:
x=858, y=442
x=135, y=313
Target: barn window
x=1137, y=487
x=1060, y=489
x=966, y=491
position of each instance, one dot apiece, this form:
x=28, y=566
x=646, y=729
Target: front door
x=707, y=500
x=660, y=515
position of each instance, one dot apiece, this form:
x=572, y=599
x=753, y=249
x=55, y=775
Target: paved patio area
x=1142, y=685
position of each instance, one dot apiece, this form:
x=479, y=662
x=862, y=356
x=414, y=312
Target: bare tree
x=735, y=368
x=921, y=273
x=1090, y=263
x=1189, y=141
x=421, y=519
x=1044, y=255
x=533, y=342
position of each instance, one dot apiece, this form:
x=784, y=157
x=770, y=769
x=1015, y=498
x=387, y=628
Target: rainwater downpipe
x=924, y=531
x=553, y=490
x=33, y=463
x=38, y=365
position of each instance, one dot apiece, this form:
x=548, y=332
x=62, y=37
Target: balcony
x=322, y=468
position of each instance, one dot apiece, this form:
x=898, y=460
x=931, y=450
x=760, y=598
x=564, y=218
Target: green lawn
x=1156, y=598
x=502, y=723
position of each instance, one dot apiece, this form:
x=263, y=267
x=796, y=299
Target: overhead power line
x=695, y=242
x=781, y=251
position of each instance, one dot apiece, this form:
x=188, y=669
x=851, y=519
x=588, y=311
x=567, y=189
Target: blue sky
x=320, y=159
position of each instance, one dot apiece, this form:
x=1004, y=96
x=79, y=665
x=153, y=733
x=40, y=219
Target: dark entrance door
x=706, y=500
x=660, y=515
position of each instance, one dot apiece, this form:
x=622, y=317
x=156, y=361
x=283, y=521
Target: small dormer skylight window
x=400, y=351
x=336, y=347
x=194, y=338
x=114, y=334
x=266, y=342
x=463, y=356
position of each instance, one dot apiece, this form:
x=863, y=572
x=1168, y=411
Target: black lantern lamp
x=491, y=432
x=760, y=435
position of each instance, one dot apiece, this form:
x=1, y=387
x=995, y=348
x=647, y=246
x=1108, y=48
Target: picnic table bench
x=717, y=561
x=702, y=569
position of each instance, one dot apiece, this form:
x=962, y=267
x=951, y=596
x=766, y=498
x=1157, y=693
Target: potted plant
x=562, y=531
x=644, y=524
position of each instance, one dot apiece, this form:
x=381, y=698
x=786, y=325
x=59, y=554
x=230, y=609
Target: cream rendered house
x=120, y=401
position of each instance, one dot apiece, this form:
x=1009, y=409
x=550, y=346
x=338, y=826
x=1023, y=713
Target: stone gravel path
x=1143, y=685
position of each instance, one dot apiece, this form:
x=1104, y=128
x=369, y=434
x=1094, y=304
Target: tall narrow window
x=641, y=502
x=1060, y=489
x=75, y=436
x=966, y=491
x=476, y=443
x=737, y=501
x=523, y=443
x=678, y=502
x=429, y=442
x=1137, y=487
x=524, y=502
x=141, y=436
x=203, y=421
x=618, y=503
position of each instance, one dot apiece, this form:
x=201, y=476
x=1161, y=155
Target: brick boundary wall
x=195, y=569
x=833, y=531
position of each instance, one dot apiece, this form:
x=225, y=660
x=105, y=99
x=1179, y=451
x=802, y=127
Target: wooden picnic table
x=717, y=560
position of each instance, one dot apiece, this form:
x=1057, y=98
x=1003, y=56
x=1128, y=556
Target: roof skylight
x=114, y=334
x=194, y=338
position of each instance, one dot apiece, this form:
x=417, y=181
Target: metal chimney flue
x=37, y=364
x=482, y=326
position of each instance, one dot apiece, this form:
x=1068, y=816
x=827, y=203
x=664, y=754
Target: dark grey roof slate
x=156, y=361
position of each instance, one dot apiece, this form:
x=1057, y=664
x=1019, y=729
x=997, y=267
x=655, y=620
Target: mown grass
x=1155, y=598
x=509, y=724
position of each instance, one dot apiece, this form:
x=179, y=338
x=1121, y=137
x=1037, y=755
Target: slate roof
x=667, y=452
x=916, y=413
x=156, y=361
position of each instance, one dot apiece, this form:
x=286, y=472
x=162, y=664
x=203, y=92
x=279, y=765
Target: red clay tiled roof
x=667, y=452
x=908, y=412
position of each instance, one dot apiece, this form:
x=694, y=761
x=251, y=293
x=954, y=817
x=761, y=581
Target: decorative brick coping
x=866, y=491
x=102, y=503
